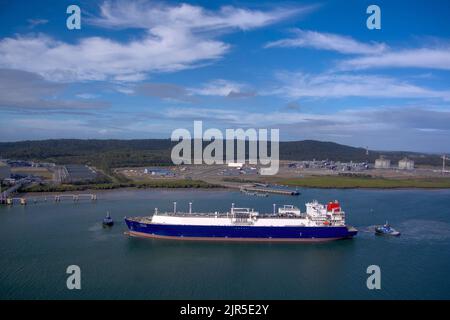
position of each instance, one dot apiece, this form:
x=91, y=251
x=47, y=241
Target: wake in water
x=100, y=233
x=420, y=230
x=416, y=230
x=95, y=227
x=366, y=232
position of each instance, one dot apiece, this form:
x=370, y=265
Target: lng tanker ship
x=318, y=223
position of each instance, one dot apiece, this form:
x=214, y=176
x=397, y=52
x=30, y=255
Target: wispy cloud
x=386, y=128
x=175, y=92
x=411, y=117
x=340, y=85
x=152, y=15
x=224, y=88
x=328, y=41
x=369, y=55
x=167, y=91
x=245, y=118
x=28, y=91
x=416, y=127
x=32, y=23
x=427, y=58
x=87, y=96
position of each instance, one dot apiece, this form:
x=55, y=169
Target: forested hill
x=140, y=152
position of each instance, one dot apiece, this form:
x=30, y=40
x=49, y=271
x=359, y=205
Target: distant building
x=19, y=163
x=5, y=171
x=236, y=165
x=43, y=164
x=9, y=181
x=77, y=173
x=406, y=164
x=382, y=163
x=158, y=172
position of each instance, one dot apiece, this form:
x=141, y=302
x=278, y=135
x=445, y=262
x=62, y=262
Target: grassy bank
x=117, y=185
x=365, y=182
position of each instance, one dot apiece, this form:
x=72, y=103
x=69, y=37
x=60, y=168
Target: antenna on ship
x=274, y=208
x=190, y=207
x=174, y=207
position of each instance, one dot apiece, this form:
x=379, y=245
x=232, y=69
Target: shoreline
x=338, y=182
x=100, y=191
x=313, y=182
x=219, y=188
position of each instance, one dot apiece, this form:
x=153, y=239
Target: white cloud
x=149, y=15
x=176, y=37
x=179, y=93
x=340, y=85
x=371, y=55
x=328, y=41
x=98, y=58
x=224, y=88
x=429, y=58
x=87, y=96
x=125, y=89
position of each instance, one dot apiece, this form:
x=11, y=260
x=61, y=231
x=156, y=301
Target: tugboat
x=386, y=230
x=108, y=221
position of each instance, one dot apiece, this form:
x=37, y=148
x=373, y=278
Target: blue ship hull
x=239, y=233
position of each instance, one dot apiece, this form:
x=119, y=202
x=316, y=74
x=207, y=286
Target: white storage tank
x=382, y=163
x=406, y=164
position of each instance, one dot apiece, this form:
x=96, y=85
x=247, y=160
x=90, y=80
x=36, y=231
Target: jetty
x=248, y=189
x=9, y=200
x=6, y=196
x=76, y=197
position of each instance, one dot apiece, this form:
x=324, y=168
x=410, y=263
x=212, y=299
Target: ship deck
x=218, y=215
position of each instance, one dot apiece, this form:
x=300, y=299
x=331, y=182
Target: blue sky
x=141, y=69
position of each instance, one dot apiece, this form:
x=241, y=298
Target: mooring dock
x=56, y=198
x=270, y=190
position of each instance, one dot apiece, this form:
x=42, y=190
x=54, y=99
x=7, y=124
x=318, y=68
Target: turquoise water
x=39, y=241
